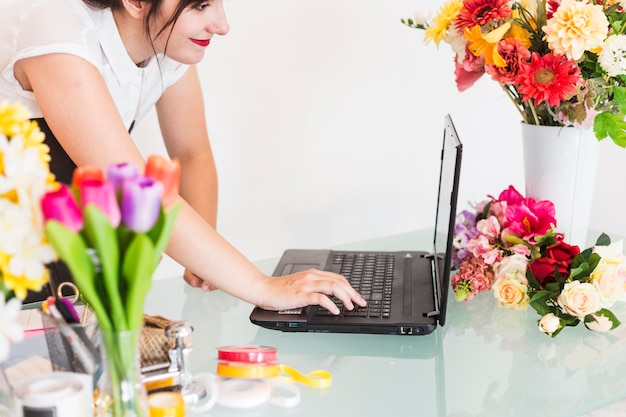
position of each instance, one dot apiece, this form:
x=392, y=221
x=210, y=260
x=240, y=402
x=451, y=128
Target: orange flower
x=168, y=173
x=85, y=173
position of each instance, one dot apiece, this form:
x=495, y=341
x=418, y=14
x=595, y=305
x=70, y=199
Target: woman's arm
x=78, y=108
x=183, y=126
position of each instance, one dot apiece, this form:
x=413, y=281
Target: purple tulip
x=141, y=203
x=102, y=194
x=118, y=173
x=60, y=205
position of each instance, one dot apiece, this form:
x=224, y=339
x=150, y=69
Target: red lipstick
x=201, y=42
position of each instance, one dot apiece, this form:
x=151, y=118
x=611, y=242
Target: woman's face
x=192, y=32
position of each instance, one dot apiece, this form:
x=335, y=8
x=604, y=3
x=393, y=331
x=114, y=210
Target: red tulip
x=102, y=194
x=168, y=173
x=85, y=173
x=60, y=205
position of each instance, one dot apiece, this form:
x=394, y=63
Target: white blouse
x=37, y=27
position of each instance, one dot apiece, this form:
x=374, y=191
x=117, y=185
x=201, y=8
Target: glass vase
x=8, y=406
x=127, y=393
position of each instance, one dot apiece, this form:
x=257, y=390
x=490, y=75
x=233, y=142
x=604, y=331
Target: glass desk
x=485, y=362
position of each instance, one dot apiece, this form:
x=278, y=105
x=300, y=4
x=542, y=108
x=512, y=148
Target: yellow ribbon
x=315, y=379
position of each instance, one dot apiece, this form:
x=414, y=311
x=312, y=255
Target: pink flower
x=514, y=53
x=489, y=227
x=60, y=205
x=468, y=71
x=474, y=277
x=102, y=194
x=531, y=218
x=511, y=196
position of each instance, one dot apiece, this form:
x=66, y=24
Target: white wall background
x=326, y=118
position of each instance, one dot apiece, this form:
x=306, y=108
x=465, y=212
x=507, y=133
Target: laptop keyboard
x=372, y=276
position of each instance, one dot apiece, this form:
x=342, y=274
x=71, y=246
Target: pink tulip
x=141, y=203
x=60, y=205
x=102, y=194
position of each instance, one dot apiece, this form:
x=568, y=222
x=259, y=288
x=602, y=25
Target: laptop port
x=406, y=330
x=293, y=324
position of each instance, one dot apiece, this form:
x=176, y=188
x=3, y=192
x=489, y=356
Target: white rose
x=609, y=277
x=614, y=250
x=579, y=299
x=512, y=264
x=601, y=324
x=511, y=291
x=549, y=323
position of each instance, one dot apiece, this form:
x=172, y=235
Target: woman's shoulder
x=50, y=21
x=34, y=27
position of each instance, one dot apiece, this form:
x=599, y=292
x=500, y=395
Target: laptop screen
x=446, y=212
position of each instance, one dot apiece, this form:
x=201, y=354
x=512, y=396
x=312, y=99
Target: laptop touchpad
x=293, y=268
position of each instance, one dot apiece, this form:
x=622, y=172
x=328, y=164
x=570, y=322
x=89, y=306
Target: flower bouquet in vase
x=111, y=229
x=562, y=64
x=24, y=251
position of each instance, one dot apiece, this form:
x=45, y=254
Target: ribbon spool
x=253, y=354
x=316, y=379
x=166, y=404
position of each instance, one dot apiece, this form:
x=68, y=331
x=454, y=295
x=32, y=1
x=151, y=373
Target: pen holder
x=77, y=347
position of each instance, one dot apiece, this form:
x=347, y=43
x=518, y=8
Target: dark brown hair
x=115, y=5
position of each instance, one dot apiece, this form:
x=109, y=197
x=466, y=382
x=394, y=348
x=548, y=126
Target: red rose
x=559, y=255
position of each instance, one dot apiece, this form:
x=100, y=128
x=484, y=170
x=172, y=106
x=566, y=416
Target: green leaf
x=169, y=218
x=137, y=268
x=619, y=93
x=603, y=240
x=532, y=281
x=103, y=238
x=612, y=125
x=72, y=249
x=538, y=303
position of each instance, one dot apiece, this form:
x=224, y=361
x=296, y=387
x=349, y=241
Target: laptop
x=406, y=291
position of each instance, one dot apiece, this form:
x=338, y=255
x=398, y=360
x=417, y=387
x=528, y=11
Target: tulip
x=60, y=205
x=101, y=194
x=118, y=173
x=168, y=173
x=86, y=173
x=141, y=203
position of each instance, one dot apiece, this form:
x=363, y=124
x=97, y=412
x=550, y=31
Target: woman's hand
x=311, y=287
x=197, y=282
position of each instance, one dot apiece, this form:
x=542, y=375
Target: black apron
x=62, y=166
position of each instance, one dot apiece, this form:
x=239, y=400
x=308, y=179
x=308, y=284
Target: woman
x=89, y=69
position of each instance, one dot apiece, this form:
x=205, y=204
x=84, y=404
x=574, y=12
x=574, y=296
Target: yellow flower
x=576, y=27
x=519, y=32
x=487, y=45
x=439, y=28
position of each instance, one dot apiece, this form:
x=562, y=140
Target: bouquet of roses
x=509, y=245
x=562, y=62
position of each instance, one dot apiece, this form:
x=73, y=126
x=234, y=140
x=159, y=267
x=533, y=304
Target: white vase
x=560, y=165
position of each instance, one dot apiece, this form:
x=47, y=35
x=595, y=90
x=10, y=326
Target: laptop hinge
x=432, y=257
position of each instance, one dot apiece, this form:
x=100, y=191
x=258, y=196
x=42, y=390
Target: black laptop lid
x=449, y=176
